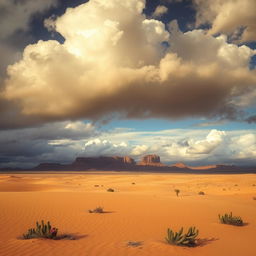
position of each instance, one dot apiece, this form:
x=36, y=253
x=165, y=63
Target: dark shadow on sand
x=104, y=212
x=200, y=242
x=70, y=236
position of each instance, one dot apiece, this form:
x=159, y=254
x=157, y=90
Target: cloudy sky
x=132, y=77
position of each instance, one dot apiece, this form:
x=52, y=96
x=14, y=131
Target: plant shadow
x=104, y=212
x=108, y=212
x=243, y=225
x=70, y=236
x=134, y=244
x=204, y=241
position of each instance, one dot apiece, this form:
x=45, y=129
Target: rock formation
x=149, y=163
x=49, y=167
x=151, y=160
x=128, y=160
x=103, y=162
x=179, y=165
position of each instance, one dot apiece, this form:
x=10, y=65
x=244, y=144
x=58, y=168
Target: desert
x=138, y=212
x=127, y=128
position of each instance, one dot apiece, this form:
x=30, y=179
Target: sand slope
x=139, y=212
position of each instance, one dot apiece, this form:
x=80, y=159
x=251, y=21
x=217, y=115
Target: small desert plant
x=97, y=210
x=254, y=198
x=41, y=231
x=231, y=220
x=134, y=243
x=201, y=193
x=180, y=239
x=177, y=191
x=110, y=190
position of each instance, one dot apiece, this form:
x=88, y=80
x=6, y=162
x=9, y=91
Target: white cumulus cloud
x=233, y=17
x=160, y=11
x=212, y=141
x=116, y=62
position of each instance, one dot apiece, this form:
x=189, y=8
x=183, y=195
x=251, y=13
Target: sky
x=175, y=78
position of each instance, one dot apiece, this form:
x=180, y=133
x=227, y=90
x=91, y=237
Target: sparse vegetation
x=134, y=243
x=231, y=220
x=41, y=231
x=180, y=239
x=254, y=198
x=177, y=191
x=110, y=190
x=97, y=210
x=96, y=185
x=201, y=193
x=133, y=183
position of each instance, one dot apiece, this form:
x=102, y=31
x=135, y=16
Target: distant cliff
x=152, y=160
x=150, y=163
x=103, y=162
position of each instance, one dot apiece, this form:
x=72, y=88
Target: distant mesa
x=127, y=160
x=180, y=165
x=103, y=162
x=151, y=160
x=150, y=163
x=204, y=167
x=49, y=166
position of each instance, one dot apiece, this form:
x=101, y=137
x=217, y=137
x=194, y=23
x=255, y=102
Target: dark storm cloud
x=15, y=17
x=251, y=119
x=49, y=142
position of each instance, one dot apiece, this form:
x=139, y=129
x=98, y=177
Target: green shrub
x=41, y=231
x=231, y=220
x=180, y=239
x=177, y=191
x=97, y=210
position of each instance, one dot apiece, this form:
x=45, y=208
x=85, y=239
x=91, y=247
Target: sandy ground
x=136, y=212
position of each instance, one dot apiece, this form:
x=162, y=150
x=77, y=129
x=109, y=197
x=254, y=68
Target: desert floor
x=135, y=212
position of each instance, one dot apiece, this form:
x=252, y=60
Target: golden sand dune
x=141, y=209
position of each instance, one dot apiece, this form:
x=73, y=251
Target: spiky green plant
x=231, y=220
x=41, y=231
x=180, y=239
